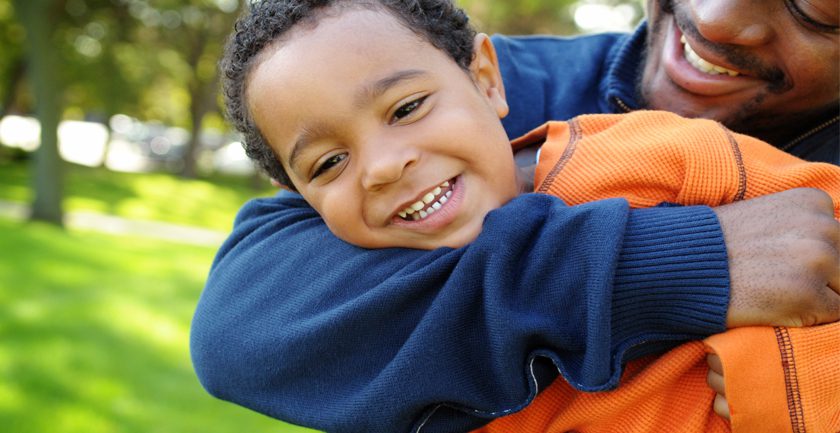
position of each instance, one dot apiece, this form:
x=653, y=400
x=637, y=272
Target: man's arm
x=303, y=327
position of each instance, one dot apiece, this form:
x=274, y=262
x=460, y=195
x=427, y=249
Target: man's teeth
x=701, y=64
x=429, y=204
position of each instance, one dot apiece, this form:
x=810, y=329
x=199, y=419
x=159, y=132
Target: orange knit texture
x=777, y=379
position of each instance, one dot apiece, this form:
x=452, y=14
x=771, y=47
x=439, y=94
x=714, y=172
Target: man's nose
x=735, y=22
x=386, y=163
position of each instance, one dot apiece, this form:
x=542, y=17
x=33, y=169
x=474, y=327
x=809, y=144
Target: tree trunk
x=16, y=73
x=43, y=72
x=197, y=113
x=198, y=89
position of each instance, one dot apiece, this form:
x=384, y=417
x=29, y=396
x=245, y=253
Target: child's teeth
x=427, y=205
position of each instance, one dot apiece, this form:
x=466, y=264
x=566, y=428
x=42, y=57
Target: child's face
x=371, y=121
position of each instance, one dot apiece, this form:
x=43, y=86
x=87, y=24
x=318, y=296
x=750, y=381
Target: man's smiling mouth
x=702, y=64
x=430, y=203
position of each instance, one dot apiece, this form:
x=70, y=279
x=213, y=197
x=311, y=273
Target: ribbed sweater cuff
x=672, y=277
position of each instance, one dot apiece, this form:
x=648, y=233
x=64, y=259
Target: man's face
x=758, y=66
x=383, y=134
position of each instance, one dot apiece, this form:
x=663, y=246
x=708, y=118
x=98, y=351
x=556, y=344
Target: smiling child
x=396, y=143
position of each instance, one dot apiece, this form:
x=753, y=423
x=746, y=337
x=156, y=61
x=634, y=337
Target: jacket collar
x=624, y=63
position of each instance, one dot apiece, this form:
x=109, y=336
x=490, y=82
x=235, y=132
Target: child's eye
x=405, y=110
x=328, y=164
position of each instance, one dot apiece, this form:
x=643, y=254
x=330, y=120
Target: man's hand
x=784, y=263
x=715, y=381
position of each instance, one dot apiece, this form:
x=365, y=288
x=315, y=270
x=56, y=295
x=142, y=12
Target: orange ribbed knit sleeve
x=784, y=380
x=649, y=157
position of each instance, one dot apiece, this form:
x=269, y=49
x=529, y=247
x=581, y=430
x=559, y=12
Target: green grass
x=94, y=335
x=210, y=203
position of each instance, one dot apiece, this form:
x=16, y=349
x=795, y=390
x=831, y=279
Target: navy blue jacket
x=301, y=326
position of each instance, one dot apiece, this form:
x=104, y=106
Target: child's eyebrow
x=303, y=141
x=379, y=87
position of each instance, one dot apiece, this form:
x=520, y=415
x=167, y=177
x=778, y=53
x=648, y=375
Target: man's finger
x=714, y=363
x=721, y=406
x=715, y=382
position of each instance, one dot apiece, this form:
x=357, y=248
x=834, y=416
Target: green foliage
x=125, y=56
x=521, y=17
x=11, y=45
x=95, y=337
x=146, y=58
x=209, y=202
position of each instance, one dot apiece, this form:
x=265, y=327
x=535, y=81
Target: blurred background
x=118, y=180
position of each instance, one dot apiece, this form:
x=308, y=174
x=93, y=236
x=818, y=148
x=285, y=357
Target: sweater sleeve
x=300, y=326
x=781, y=379
x=650, y=157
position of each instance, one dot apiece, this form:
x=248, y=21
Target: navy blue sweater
x=301, y=326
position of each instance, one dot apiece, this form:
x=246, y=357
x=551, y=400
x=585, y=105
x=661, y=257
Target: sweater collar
x=624, y=62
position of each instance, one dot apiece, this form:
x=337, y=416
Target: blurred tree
x=12, y=63
x=522, y=17
x=39, y=20
x=542, y=16
x=154, y=60
x=194, y=35
x=94, y=36
x=164, y=54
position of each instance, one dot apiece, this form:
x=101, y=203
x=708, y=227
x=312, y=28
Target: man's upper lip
x=700, y=48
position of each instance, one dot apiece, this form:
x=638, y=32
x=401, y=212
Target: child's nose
x=386, y=164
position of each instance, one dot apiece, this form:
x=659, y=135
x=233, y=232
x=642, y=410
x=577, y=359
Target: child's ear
x=486, y=73
x=276, y=183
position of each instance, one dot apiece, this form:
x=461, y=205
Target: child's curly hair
x=439, y=22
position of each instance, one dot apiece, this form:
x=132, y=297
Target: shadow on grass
x=95, y=336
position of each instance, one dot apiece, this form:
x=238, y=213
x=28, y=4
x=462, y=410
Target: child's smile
x=429, y=203
x=386, y=136
x=434, y=211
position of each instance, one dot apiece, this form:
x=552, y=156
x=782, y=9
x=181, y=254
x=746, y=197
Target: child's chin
x=454, y=242
x=459, y=240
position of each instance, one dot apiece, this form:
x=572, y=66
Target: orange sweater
x=777, y=379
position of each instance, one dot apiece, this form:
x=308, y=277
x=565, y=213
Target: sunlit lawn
x=209, y=203
x=94, y=336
